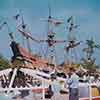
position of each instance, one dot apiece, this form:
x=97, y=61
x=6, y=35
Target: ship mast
x=89, y=60
x=22, y=29
x=70, y=48
x=51, y=52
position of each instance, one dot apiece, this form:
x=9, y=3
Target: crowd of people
x=73, y=78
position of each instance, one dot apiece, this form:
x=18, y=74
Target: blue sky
x=86, y=13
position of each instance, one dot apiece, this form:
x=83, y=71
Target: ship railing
x=6, y=89
x=90, y=97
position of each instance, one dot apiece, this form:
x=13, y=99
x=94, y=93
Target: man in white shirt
x=73, y=83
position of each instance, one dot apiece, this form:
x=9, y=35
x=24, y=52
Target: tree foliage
x=4, y=63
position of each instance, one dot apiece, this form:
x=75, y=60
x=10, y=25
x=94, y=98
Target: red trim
x=39, y=90
x=29, y=57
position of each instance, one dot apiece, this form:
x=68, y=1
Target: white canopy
x=34, y=73
x=5, y=72
x=39, y=74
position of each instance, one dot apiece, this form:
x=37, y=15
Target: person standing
x=73, y=83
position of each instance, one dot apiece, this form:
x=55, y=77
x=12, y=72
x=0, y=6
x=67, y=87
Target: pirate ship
x=43, y=68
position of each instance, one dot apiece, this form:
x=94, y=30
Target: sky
x=86, y=14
